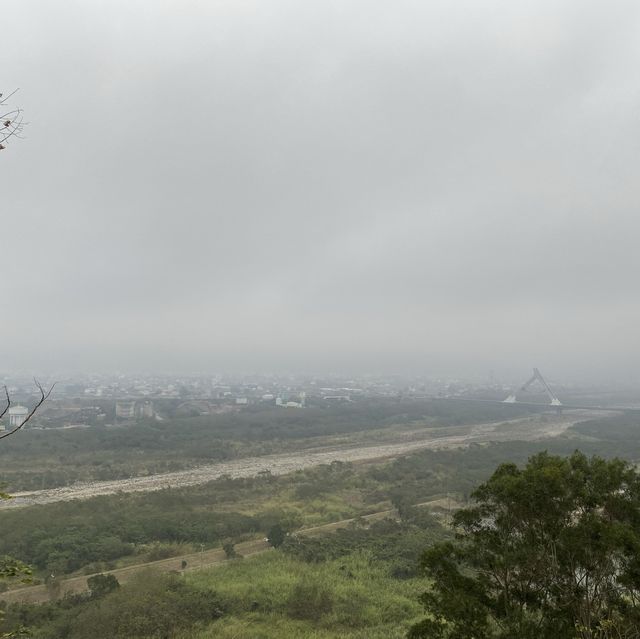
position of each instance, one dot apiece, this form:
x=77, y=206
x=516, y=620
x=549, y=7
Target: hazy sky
x=322, y=186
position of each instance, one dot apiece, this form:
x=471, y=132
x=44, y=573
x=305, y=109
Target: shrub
x=309, y=600
x=101, y=585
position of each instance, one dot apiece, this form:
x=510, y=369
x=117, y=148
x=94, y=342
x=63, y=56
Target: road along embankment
x=536, y=427
x=182, y=563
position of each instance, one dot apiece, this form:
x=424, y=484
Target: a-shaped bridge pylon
x=537, y=376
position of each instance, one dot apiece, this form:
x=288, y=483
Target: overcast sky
x=425, y=186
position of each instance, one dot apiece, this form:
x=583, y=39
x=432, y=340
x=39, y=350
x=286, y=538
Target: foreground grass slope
x=268, y=596
x=274, y=596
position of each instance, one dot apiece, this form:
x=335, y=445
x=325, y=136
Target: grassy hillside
x=275, y=596
x=270, y=596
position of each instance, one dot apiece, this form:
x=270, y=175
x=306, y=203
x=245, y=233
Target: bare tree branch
x=3, y=99
x=6, y=408
x=43, y=398
x=11, y=122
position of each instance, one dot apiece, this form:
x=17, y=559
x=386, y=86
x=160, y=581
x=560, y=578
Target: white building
x=17, y=415
x=125, y=409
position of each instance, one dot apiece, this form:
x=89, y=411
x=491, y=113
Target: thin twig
x=6, y=408
x=4, y=99
x=43, y=397
x=12, y=122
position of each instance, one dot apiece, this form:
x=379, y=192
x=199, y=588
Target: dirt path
x=194, y=561
x=541, y=426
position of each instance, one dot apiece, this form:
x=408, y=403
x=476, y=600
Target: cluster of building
x=91, y=400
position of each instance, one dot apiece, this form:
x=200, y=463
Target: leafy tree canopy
x=550, y=551
x=276, y=535
x=100, y=585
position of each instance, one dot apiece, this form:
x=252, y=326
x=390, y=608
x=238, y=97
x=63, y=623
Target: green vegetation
x=152, y=606
x=67, y=536
x=276, y=535
x=270, y=596
x=336, y=585
x=49, y=458
x=101, y=585
x=93, y=535
x=389, y=542
x=98, y=534
x=363, y=581
x=274, y=596
x=618, y=431
x=551, y=551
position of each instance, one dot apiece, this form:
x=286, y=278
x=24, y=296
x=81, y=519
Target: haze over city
x=433, y=187
x=320, y=319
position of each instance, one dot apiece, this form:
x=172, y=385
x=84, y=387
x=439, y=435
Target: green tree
x=229, y=549
x=11, y=568
x=403, y=505
x=276, y=535
x=101, y=585
x=550, y=551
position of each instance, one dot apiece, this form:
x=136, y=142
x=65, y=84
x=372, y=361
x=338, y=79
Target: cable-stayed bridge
x=536, y=377
x=554, y=402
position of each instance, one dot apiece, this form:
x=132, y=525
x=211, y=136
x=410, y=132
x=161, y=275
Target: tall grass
x=276, y=596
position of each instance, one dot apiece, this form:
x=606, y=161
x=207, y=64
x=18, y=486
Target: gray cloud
x=323, y=185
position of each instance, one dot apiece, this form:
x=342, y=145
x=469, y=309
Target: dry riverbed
x=535, y=427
